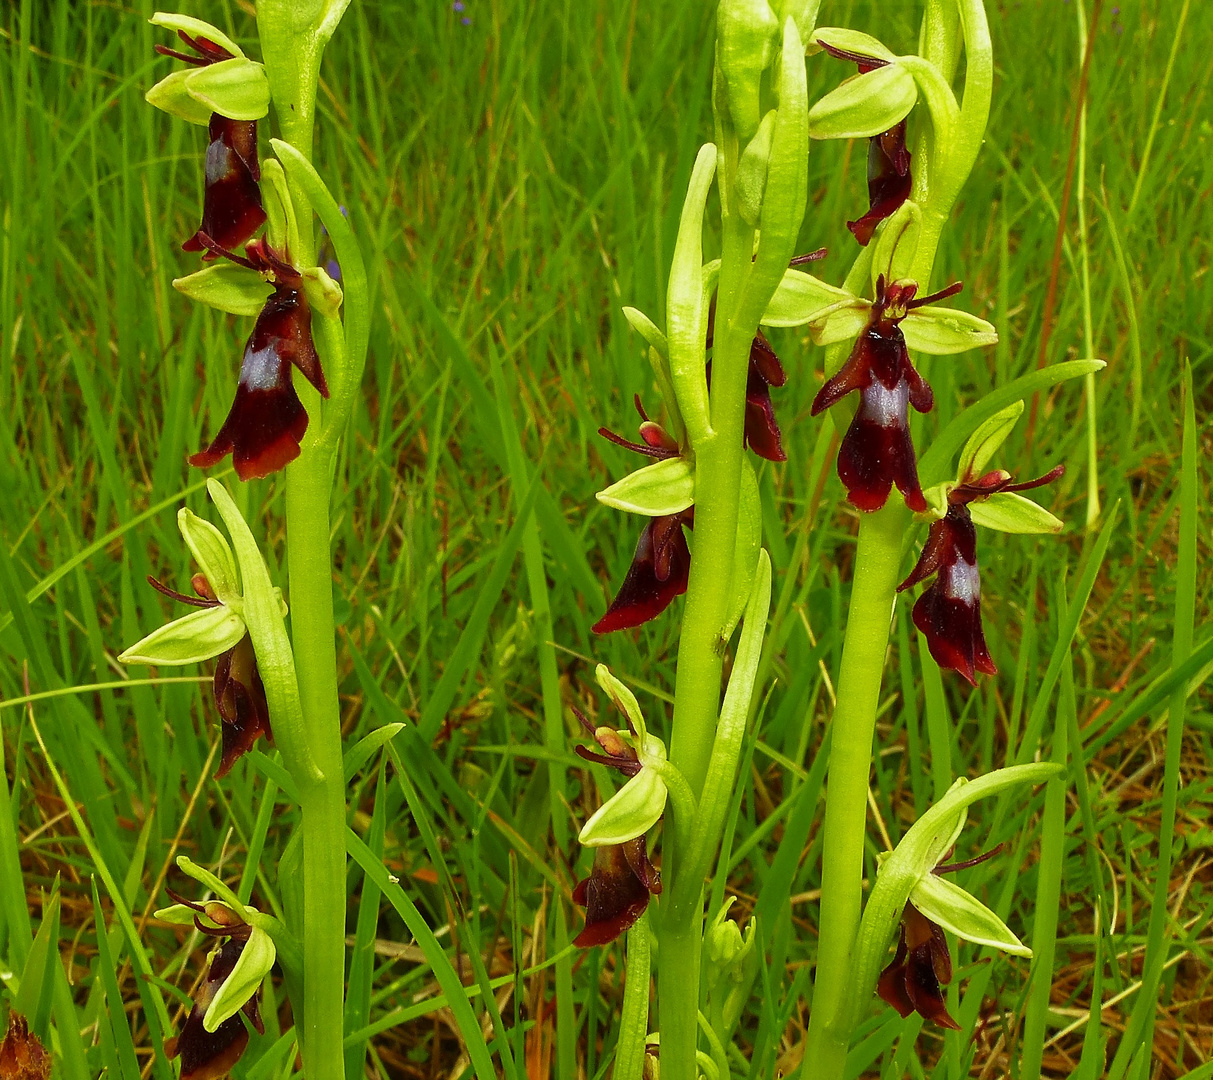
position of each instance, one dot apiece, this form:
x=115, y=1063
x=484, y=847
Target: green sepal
x=630, y=812
x=947, y=832
x=752, y=170
x=236, y=88
x=852, y=41
x=745, y=41
x=204, y=877
x=177, y=914
x=943, y=331
x=800, y=298
x=256, y=959
x=200, y=635
x=281, y=224
x=196, y=28
x=986, y=441
x=842, y=321
x=746, y=547
x=686, y=308
x=947, y=904
x=170, y=95
x=622, y=697
x=663, y=488
x=897, y=243
x=322, y=292
x=1010, y=512
x=213, y=554
x=227, y=287
x=865, y=105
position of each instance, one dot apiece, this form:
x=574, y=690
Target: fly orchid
x=948, y=613
x=228, y=93
x=217, y=631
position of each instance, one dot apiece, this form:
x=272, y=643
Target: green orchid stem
x=869, y=620
x=323, y=801
x=634, y=1019
x=718, y=462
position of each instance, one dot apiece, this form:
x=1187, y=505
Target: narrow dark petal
x=640, y=448
x=949, y=612
x=1040, y=481
x=628, y=768
x=613, y=895
x=809, y=256
x=952, y=868
x=267, y=420
x=646, y=591
x=240, y=699
x=935, y=297
x=231, y=205
x=889, y=181
x=210, y=52
x=865, y=63
x=193, y=61
x=761, y=432
x=172, y=594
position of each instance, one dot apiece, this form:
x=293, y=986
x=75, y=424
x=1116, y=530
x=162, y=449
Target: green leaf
x=686, y=308
x=213, y=554
x=865, y=105
x=747, y=546
x=852, y=41
x=201, y=635
x=985, y=442
x=196, y=28
x=322, y=292
x=665, y=487
x=227, y=287
x=1010, y=512
x=630, y=812
x=366, y=746
x=647, y=329
x=171, y=96
x=947, y=904
x=943, y=331
x=236, y=88
x=800, y=298
x=752, y=170
x=33, y=998
x=256, y=959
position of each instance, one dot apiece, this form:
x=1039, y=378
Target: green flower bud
x=322, y=292
x=745, y=40
x=752, y=170
x=281, y=225
x=748, y=545
x=665, y=487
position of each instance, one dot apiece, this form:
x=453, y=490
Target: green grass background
x=515, y=180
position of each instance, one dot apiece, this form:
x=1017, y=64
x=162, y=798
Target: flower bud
x=746, y=34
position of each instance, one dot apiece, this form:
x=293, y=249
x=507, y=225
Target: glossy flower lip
x=232, y=209
x=617, y=891
x=948, y=613
x=877, y=451
x=922, y=966
x=889, y=179
x=660, y=572
x=267, y=421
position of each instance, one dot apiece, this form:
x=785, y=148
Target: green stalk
x=700, y=657
x=323, y=801
x=869, y=621
x=634, y=1019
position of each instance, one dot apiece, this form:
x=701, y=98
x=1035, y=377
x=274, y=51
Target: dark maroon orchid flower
x=949, y=612
x=661, y=565
x=914, y=981
x=877, y=451
x=239, y=692
x=617, y=891
x=208, y=1055
x=889, y=179
x=267, y=420
x=22, y=1055
x=231, y=204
